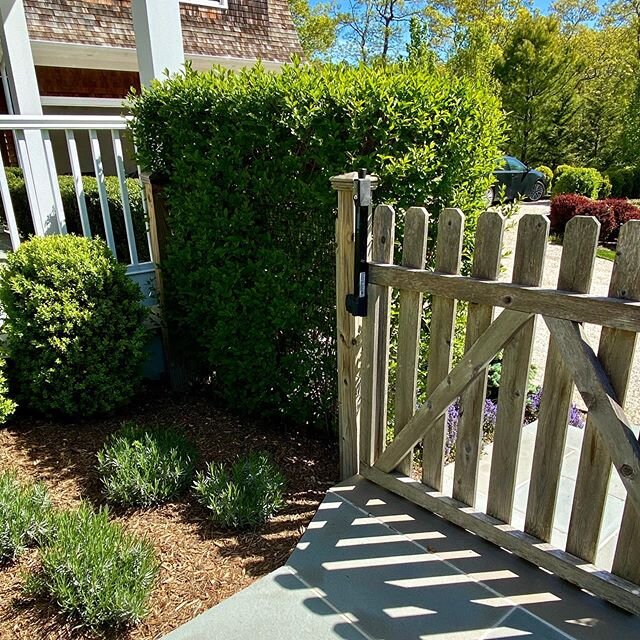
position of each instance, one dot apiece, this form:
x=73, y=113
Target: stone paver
x=372, y=565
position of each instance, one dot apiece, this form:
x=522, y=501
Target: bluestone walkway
x=372, y=565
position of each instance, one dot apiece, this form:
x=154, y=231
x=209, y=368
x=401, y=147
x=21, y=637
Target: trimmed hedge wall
x=92, y=197
x=249, y=274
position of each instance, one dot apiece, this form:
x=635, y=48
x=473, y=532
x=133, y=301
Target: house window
x=218, y=4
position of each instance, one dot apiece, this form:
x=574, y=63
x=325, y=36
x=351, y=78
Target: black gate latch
x=357, y=301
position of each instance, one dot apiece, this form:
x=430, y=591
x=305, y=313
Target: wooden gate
x=602, y=380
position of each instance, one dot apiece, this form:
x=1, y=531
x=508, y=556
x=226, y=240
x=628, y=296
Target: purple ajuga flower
x=576, y=418
x=489, y=419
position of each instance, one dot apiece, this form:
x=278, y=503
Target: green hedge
x=547, y=172
x=625, y=182
x=72, y=213
x=249, y=274
x=579, y=180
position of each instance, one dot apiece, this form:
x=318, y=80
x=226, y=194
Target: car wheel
x=489, y=196
x=537, y=191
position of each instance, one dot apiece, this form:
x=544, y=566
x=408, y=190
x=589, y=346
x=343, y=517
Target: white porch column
x=25, y=98
x=158, y=37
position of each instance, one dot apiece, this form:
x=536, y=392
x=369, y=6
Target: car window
x=515, y=164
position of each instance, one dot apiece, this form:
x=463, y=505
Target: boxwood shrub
x=92, y=198
x=579, y=180
x=74, y=326
x=247, y=157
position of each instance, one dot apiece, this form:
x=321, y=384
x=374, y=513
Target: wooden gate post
x=349, y=327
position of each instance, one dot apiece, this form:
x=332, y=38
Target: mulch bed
x=200, y=564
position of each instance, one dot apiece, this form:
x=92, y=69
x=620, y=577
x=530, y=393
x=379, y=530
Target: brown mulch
x=200, y=565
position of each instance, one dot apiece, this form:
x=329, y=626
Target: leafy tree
x=316, y=26
x=539, y=73
x=377, y=29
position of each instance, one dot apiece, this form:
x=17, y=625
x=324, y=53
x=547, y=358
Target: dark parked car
x=517, y=180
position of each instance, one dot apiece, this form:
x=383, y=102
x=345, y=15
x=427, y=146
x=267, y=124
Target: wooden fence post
x=159, y=235
x=349, y=328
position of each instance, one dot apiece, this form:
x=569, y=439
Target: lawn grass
x=606, y=254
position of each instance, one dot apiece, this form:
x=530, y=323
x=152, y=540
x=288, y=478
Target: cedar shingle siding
x=250, y=29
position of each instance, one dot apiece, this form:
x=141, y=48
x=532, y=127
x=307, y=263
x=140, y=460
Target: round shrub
x=547, y=172
x=563, y=208
x=96, y=573
x=244, y=497
x=75, y=334
x=561, y=168
x=25, y=515
x=579, y=180
x=143, y=467
x=247, y=158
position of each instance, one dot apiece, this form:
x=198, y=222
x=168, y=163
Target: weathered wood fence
x=602, y=380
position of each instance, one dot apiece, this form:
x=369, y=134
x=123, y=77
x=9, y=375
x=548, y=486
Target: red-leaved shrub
x=611, y=213
x=563, y=208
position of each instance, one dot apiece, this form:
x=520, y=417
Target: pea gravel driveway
x=599, y=287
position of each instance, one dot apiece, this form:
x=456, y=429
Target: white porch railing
x=80, y=145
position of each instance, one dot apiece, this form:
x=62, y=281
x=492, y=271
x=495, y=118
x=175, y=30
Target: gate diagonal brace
x=499, y=332
x=595, y=388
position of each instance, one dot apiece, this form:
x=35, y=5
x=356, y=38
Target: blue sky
x=543, y=5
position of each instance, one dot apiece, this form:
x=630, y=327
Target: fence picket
x=626, y=562
x=414, y=251
x=96, y=154
x=124, y=196
x=486, y=264
x=74, y=159
x=55, y=185
x=576, y=270
x=375, y=346
x=443, y=320
x=533, y=232
x=7, y=204
x=615, y=352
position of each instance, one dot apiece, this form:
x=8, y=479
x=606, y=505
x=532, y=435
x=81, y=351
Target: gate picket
x=486, y=264
x=443, y=321
x=576, y=270
x=414, y=251
x=375, y=345
x=615, y=353
x=531, y=245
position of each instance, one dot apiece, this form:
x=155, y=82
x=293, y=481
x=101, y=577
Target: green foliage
x=547, y=172
x=605, y=188
x=92, y=197
x=96, y=572
x=142, y=467
x=249, y=273
x=625, y=182
x=74, y=327
x=538, y=73
x=244, y=497
x=580, y=180
x=7, y=405
x=25, y=515
x=316, y=26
